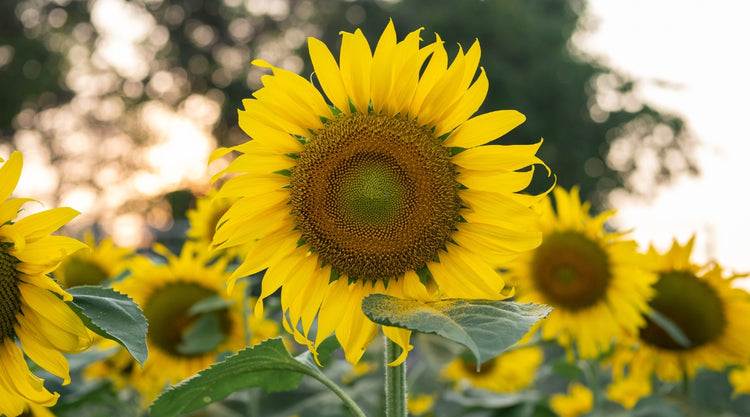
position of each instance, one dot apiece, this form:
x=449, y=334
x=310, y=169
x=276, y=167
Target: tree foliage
x=597, y=130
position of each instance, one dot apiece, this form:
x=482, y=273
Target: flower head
x=34, y=319
x=183, y=298
x=384, y=190
x=595, y=280
x=707, y=309
x=92, y=267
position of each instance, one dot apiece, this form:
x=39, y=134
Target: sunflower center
x=10, y=297
x=374, y=195
x=571, y=270
x=169, y=319
x=691, y=304
x=78, y=271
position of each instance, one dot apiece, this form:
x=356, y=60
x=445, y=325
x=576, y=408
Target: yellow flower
x=710, y=312
x=421, y=404
x=740, y=380
x=510, y=372
x=579, y=400
x=596, y=281
x=34, y=319
x=205, y=217
x=386, y=191
x=627, y=391
x=168, y=294
x=91, y=267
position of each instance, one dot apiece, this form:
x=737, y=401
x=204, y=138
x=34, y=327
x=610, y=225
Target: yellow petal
x=11, y=404
x=43, y=327
x=434, y=71
x=47, y=283
x=501, y=182
x=9, y=174
x=408, y=61
x=332, y=308
x=400, y=337
x=460, y=274
x=41, y=224
x=44, y=356
x=498, y=157
x=44, y=255
x=269, y=135
x=495, y=208
x=355, y=331
x=261, y=113
x=460, y=111
x=277, y=273
x=251, y=185
x=49, y=306
x=265, y=252
x=9, y=209
x=327, y=71
x=484, y=128
x=382, y=68
x=355, y=60
x=15, y=372
x=300, y=91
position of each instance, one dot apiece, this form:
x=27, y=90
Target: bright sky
x=702, y=47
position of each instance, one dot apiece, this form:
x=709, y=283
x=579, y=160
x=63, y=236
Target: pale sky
x=702, y=47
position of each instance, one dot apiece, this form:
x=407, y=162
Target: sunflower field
x=295, y=208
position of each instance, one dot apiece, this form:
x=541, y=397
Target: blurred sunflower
x=387, y=190
x=596, y=281
x=740, y=380
x=511, y=371
x=707, y=309
x=579, y=400
x=191, y=318
x=204, y=219
x=33, y=312
x=92, y=267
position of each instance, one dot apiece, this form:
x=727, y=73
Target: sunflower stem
x=395, y=381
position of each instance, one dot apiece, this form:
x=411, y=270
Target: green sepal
x=485, y=327
x=335, y=275
x=455, y=150
x=285, y=172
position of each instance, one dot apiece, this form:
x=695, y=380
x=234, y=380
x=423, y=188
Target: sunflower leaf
x=267, y=365
x=486, y=327
x=112, y=315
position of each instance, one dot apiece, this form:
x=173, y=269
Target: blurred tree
x=86, y=80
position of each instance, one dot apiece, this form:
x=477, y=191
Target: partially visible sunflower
x=709, y=311
x=182, y=299
x=579, y=400
x=740, y=380
x=387, y=189
x=204, y=219
x=595, y=280
x=511, y=371
x=34, y=319
x=92, y=267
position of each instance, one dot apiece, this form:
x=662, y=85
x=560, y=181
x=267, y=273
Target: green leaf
x=203, y=336
x=210, y=304
x=112, y=315
x=267, y=365
x=669, y=327
x=486, y=327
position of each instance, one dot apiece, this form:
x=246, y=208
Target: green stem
x=395, y=382
x=348, y=401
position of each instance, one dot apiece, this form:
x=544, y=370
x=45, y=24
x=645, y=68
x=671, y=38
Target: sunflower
x=205, y=217
x=708, y=310
x=92, y=267
x=34, y=319
x=579, y=400
x=385, y=190
x=169, y=294
x=595, y=280
x=511, y=371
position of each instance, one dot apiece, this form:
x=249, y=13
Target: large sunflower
x=33, y=312
x=596, y=281
x=385, y=190
x=168, y=293
x=92, y=267
x=709, y=311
